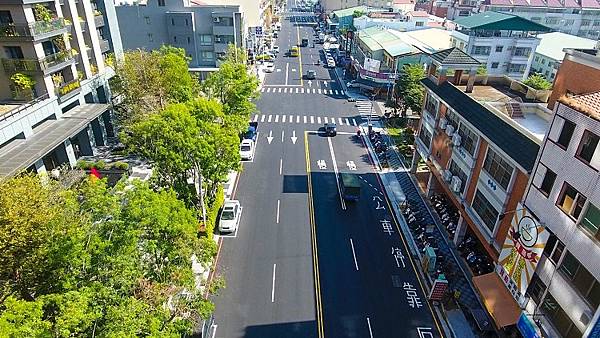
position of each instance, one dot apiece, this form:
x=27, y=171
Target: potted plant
x=24, y=85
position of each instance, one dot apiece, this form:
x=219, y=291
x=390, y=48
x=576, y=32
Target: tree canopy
x=408, y=90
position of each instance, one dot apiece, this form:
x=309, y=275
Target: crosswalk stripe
x=319, y=119
x=326, y=120
x=262, y=90
x=268, y=90
x=276, y=118
x=312, y=119
x=304, y=118
x=262, y=118
x=279, y=90
x=291, y=119
x=354, y=122
x=302, y=90
x=255, y=118
x=283, y=118
x=314, y=91
x=297, y=118
x=285, y=90
x=342, y=92
x=296, y=90
x=336, y=92
x=269, y=118
x=340, y=119
x=333, y=120
x=347, y=122
x=319, y=90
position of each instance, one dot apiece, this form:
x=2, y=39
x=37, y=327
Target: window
x=498, y=168
x=571, y=201
x=205, y=39
x=566, y=133
x=431, y=105
x=485, y=210
x=452, y=119
x=481, y=50
x=147, y=20
x=586, y=22
x=581, y=278
x=419, y=24
x=499, y=49
x=150, y=37
x=172, y=22
x=554, y=248
x=522, y=51
x=457, y=171
x=548, y=182
x=425, y=136
x=516, y=68
x=551, y=21
x=5, y=17
x=536, y=288
x=207, y=56
x=468, y=139
x=559, y=318
x=161, y=3
x=596, y=23
x=587, y=147
x=495, y=65
x=536, y=18
x=537, y=59
x=569, y=22
x=590, y=222
x=189, y=40
x=13, y=52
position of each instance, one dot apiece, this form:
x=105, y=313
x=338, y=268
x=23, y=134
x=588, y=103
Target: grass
x=402, y=136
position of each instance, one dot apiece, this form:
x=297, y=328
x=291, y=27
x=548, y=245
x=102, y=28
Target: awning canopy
x=498, y=301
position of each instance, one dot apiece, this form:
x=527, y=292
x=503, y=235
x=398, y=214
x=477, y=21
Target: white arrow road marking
x=354, y=254
x=294, y=138
x=322, y=165
x=351, y=165
x=325, y=83
x=282, y=132
x=270, y=137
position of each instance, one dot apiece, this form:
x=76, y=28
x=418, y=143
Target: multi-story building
x=55, y=101
x=203, y=31
x=504, y=43
x=478, y=139
x=579, y=73
x=549, y=54
x=577, y=17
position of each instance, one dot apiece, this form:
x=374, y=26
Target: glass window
x=498, y=168
x=205, y=39
x=558, y=251
x=587, y=147
x=468, y=139
x=425, y=136
x=481, y=50
x=452, y=119
x=431, y=105
x=559, y=319
x=566, y=133
x=499, y=49
x=495, y=65
x=161, y=3
x=548, y=182
x=536, y=288
x=581, y=279
x=571, y=201
x=591, y=221
x=485, y=210
x=206, y=55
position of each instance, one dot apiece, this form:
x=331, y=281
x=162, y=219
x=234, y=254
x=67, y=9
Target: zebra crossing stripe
x=268, y=90
x=276, y=118
x=262, y=118
x=312, y=119
x=342, y=92
x=296, y=90
x=297, y=118
x=279, y=90
x=304, y=118
x=354, y=122
x=291, y=119
x=262, y=90
x=347, y=122
x=333, y=120
x=283, y=118
x=255, y=118
x=302, y=90
x=285, y=90
x=319, y=90
x=319, y=119
x=326, y=120
x=269, y=118
x=340, y=119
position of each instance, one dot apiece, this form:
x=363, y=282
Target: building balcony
x=35, y=31
x=98, y=19
x=46, y=65
x=68, y=90
x=223, y=30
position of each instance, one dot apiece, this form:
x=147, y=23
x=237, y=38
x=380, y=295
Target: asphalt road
x=302, y=264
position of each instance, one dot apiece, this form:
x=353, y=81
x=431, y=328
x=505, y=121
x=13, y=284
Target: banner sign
x=438, y=290
x=371, y=65
x=521, y=252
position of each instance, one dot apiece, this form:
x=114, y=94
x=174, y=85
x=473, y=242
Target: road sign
x=438, y=289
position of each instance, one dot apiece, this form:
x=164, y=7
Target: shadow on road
x=306, y=329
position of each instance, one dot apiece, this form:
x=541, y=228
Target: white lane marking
x=278, y=202
x=270, y=137
x=347, y=122
x=314, y=90
x=279, y=91
x=354, y=122
x=268, y=90
x=291, y=119
x=294, y=138
x=335, y=170
x=276, y=118
x=319, y=90
x=304, y=118
x=342, y=92
x=262, y=90
x=286, y=73
x=296, y=90
x=282, y=132
x=280, y=166
x=273, y=287
x=283, y=118
x=302, y=90
x=354, y=254
x=255, y=118
x=312, y=119
x=285, y=90
x=297, y=118
x=262, y=118
x=340, y=119
x=368, y=323
x=336, y=92
x=269, y=120
x=319, y=119
x=326, y=120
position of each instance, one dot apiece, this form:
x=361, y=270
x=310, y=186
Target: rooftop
x=546, y=3
x=552, y=44
x=588, y=104
x=420, y=14
x=376, y=38
x=495, y=21
x=349, y=11
x=429, y=40
x=453, y=56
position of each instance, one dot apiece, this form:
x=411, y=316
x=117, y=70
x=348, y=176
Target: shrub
x=538, y=81
x=84, y=165
x=100, y=165
x=213, y=211
x=120, y=165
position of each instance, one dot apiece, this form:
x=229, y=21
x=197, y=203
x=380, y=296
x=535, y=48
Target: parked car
x=311, y=74
x=251, y=133
x=330, y=129
x=247, y=149
x=270, y=67
x=352, y=84
x=230, y=216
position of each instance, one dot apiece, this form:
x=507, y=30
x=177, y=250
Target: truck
x=350, y=187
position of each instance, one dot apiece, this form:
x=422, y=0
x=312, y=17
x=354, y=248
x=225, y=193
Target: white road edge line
x=354, y=254
x=280, y=166
x=368, y=322
x=335, y=170
x=273, y=288
x=278, y=202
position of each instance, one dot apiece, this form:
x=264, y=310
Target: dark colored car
x=311, y=74
x=250, y=134
x=330, y=129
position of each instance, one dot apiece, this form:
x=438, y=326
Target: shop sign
x=527, y=328
x=438, y=290
x=521, y=252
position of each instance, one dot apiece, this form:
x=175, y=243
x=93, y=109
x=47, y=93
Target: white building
x=504, y=43
x=60, y=49
x=549, y=54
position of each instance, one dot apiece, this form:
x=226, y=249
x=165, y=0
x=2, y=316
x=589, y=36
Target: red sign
x=438, y=290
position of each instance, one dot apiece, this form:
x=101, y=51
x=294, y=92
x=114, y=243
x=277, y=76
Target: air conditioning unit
x=216, y=19
x=443, y=123
x=449, y=130
x=456, y=139
x=446, y=175
x=455, y=184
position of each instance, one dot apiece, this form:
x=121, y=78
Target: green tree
x=408, y=90
x=538, y=81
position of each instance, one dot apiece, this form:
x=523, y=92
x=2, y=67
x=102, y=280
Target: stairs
x=514, y=110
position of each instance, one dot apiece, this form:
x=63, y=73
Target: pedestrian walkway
x=303, y=119
x=365, y=108
x=301, y=90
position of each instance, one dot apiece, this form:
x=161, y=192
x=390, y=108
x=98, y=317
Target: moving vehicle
x=311, y=74
x=230, y=216
x=250, y=134
x=350, y=187
x=321, y=38
x=352, y=84
x=330, y=63
x=247, y=149
x=294, y=51
x=304, y=42
x=270, y=67
x=330, y=129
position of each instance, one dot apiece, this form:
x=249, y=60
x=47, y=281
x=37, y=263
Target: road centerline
x=354, y=254
x=335, y=171
x=280, y=166
x=278, y=204
x=273, y=285
x=369, y=325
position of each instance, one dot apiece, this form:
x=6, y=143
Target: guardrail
x=23, y=107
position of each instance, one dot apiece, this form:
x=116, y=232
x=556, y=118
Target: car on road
x=352, y=84
x=270, y=67
x=247, y=149
x=350, y=187
x=230, y=216
x=276, y=49
x=330, y=63
x=251, y=132
x=330, y=129
x=311, y=74
x=304, y=42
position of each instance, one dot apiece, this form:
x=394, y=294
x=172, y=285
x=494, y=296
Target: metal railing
x=23, y=107
x=68, y=87
x=33, y=65
x=14, y=30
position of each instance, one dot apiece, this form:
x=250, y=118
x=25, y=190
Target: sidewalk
x=400, y=187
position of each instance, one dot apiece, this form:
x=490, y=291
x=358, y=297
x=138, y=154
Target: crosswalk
x=365, y=109
x=302, y=90
x=303, y=119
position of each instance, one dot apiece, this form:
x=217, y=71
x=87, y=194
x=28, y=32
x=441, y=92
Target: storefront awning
x=498, y=301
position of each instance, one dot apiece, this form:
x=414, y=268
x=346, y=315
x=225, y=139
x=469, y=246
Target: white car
x=330, y=63
x=247, y=149
x=230, y=216
x=270, y=67
x=352, y=84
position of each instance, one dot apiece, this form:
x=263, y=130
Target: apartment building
x=579, y=73
x=503, y=43
x=576, y=17
x=204, y=31
x=478, y=140
x=549, y=54
x=55, y=100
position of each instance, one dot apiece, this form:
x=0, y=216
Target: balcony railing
x=68, y=89
x=33, y=30
x=32, y=65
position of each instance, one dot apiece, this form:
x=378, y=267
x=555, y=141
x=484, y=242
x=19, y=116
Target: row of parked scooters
x=469, y=249
x=379, y=146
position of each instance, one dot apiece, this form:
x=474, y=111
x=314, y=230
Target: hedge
x=213, y=211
